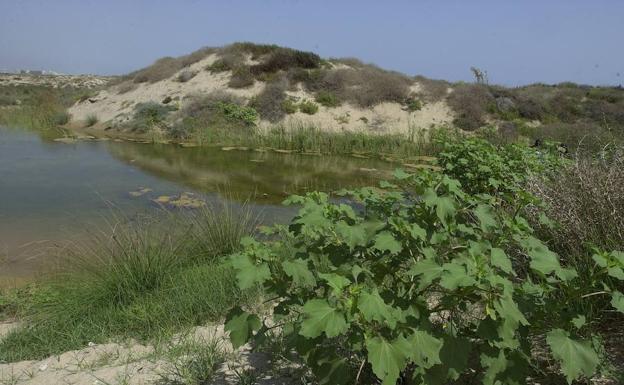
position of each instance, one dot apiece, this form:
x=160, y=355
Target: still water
x=51, y=191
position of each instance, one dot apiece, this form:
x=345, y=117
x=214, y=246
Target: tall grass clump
x=91, y=120
x=138, y=279
x=217, y=230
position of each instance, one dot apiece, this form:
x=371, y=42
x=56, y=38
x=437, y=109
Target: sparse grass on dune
x=137, y=281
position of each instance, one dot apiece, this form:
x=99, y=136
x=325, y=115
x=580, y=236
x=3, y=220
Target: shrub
x=149, y=115
x=62, y=118
x=185, y=76
x=586, y=200
x=327, y=99
x=432, y=90
x=241, y=78
x=470, y=101
x=422, y=283
x=247, y=115
x=412, y=105
x=91, y=120
x=280, y=59
x=161, y=69
x=289, y=106
x=308, y=107
x=268, y=103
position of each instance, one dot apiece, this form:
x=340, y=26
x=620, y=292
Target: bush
x=62, y=118
x=586, y=200
x=241, y=78
x=185, y=76
x=432, y=90
x=327, y=99
x=161, y=69
x=470, y=102
x=308, y=107
x=281, y=59
x=91, y=120
x=422, y=282
x=268, y=103
x=412, y=105
x=149, y=115
x=289, y=106
x=247, y=115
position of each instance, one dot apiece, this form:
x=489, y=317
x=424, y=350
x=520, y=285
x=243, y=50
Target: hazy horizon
x=515, y=43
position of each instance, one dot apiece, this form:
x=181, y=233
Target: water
x=51, y=191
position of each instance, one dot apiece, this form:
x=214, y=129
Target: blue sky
x=517, y=42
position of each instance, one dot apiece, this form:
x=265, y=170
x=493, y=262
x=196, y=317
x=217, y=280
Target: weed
x=193, y=362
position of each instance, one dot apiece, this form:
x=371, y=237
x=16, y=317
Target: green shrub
x=247, y=115
x=219, y=65
x=308, y=107
x=91, y=120
x=412, y=105
x=289, y=106
x=423, y=282
x=149, y=115
x=327, y=99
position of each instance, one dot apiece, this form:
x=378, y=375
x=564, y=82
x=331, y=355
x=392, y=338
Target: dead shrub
x=284, y=58
x=241, y=78
x=269, y=102
x=587, y=201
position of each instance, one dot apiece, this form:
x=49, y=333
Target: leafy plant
x=247, y=115
x=423, y=281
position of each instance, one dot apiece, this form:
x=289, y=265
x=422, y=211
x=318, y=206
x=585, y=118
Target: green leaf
x=321, y=318
x=542, y=259
x=373, y=308
x=575, y=357
x=425, y=349
x=299, y=272
x=417, y=232
x=248, y=273
x=388, y=359
x=485, y=215
x=241, y=326
x=495, y=366
x=579, y=321
x=385, y=241
x=455, y=276
x=428, y=270
x=501, y=260
x=445, y=208
x=617, y=301
x=352, y=235
x=335, y=281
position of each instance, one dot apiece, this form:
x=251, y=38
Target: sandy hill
x=284, y=86
x=245, y=84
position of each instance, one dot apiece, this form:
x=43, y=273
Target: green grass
x=91, y=120
x=193, y=362
x=140, y=281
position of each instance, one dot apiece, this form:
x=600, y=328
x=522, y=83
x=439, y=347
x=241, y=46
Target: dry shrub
x=241, y=78
x=586, y=136
x=185, y=76
x=166, y=67
x=470, y=103
x=587, y=201
x=432, y=90
x=269, y=102
x=284, y=58
x=126, y=86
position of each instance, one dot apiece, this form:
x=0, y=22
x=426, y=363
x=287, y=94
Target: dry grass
x=587, y=200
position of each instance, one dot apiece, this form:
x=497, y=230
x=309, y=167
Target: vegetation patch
x=308, y=107
x=327, y=99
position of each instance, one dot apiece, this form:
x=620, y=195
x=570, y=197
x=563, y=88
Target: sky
x=516, y=42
